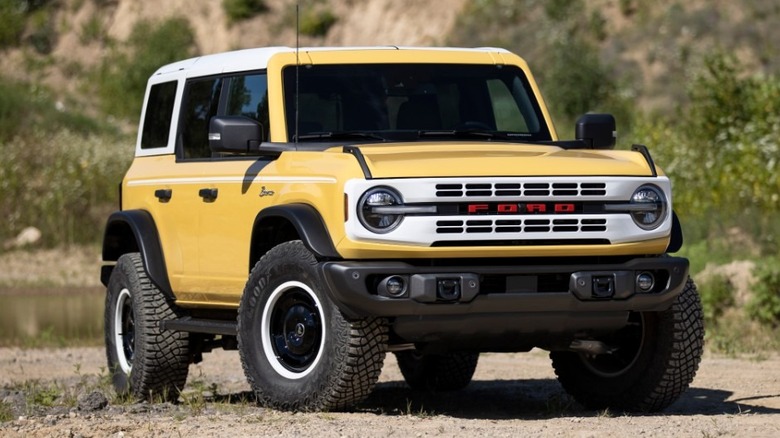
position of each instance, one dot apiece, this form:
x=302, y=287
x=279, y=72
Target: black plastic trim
x=348, y=287
x=308, y=224
x=197, y=325
x=144, y=239
x=676, y=241
x=642, y=149
x=353, y=150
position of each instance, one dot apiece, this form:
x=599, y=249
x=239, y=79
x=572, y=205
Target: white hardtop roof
x=257, y=59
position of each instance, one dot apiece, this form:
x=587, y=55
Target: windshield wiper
x=464, y=133
x=339, y=135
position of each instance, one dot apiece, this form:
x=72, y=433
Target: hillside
x=649, y=50
x=81, y=33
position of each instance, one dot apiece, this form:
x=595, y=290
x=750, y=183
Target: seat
x=420, y=112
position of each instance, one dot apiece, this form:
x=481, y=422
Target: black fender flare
x=676, y=241
x=308, y=224
x=135, y=231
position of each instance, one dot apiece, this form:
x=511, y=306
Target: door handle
x=164, y=195
x=208, y=195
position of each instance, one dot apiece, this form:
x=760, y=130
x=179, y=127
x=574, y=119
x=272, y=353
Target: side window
x=157, y=120
x=201, y=100
x=507, y=114
x=248, y=96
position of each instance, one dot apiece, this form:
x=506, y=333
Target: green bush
x=59, y=169
x=64, y=184
x=25, y=107
x=122, y=76
x=764, y=305
x=14, y=108
x=92, y=30
x=11, y=23
x=722, y=151
x=717, y=295
x=575, y=81
x=562, y=48
x=6, y=412
x=316, y=23
x=237, y=10
x=43, y=34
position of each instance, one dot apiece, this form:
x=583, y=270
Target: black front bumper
x=505, y=306
x=505, y=288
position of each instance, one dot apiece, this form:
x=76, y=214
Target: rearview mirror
x=235, y=134
x=597, y=131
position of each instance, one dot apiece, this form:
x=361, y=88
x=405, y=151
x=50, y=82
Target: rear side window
x=159, y=111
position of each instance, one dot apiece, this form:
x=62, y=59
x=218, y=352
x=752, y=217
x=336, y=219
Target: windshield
x=410, y=101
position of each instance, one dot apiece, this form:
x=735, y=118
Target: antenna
x=297, y=67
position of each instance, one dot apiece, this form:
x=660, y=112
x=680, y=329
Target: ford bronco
x=318, y=208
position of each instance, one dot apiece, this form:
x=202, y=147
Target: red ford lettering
x=476, y=208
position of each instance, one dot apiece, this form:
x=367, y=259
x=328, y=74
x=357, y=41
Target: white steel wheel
x=293, y=334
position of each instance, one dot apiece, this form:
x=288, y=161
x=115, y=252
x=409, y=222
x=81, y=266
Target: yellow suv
x=318, y=208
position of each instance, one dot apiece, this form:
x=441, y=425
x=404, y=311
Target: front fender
x=308, y=224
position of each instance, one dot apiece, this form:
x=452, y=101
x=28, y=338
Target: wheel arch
x=283, y=223
x=135, y=231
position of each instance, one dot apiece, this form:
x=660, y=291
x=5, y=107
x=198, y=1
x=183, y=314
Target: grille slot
x=509, y=226
x=530, y=189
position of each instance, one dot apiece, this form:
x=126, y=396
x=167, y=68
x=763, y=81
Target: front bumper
x=507, y=303
x=505, y=288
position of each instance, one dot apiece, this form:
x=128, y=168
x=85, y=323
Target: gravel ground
x=511, y=395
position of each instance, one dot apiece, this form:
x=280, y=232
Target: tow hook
x=591, y=286
x=603, y=286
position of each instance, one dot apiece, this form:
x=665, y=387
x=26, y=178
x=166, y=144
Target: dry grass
x=74, y=266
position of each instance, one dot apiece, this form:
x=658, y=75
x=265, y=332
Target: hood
x=470, y=159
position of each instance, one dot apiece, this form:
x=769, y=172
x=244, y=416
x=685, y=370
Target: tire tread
x=161, y=360
x=671, y=369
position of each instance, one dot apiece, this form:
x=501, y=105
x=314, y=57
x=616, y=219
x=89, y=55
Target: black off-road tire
x=437, y=372
x=145, y=361
x=297, y=349
x=656, y=360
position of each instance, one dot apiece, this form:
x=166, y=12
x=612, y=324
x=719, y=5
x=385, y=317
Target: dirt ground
x=511, y=395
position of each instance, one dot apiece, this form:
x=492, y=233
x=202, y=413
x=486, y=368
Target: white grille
x=528, y=189
x=452, y=227
x=514, y=226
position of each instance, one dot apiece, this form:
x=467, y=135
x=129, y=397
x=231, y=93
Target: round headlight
x=373, y=210
x=650, y=207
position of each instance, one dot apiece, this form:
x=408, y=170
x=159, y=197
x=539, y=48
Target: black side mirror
x=597, y=131
x=235, y=134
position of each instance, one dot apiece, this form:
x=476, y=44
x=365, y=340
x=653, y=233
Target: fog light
x=645, y=281
x=394, y=286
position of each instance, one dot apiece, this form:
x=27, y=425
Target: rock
x=94, y=401
x=28, y=236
